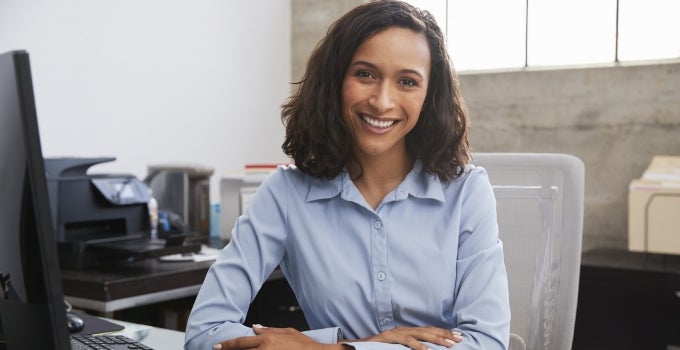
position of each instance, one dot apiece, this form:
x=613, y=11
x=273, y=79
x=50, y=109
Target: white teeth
x=377, y=123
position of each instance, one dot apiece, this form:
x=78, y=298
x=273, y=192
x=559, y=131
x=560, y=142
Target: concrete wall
x=615, y=118
x=309, y=23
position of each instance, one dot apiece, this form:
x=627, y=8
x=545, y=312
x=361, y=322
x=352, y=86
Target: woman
x=386, y=234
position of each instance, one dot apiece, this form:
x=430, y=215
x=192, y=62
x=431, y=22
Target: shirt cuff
x=375, y=346
x=325, y=335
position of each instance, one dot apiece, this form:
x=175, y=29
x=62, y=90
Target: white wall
x=156, y=81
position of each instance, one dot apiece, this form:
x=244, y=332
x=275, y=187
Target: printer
x=102, y=219
x=653, y=208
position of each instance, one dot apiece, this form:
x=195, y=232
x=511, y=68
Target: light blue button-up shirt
x=429, y=255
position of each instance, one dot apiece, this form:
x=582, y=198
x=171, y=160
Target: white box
x=654, y=208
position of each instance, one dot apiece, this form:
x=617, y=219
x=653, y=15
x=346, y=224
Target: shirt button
x=377, y=225
x=387, y=321
x=381, y=276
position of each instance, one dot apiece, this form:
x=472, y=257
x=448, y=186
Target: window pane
x=565, y=32
x=486, y=34
x=649, y=29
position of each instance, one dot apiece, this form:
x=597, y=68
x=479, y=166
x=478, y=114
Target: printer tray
x=152, y=247
x=124, y=250
x=143, y=248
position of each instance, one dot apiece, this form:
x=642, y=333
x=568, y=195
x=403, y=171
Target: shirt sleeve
x=325, y=335
x=232, y=282
x=481, y=300
x=386, y=346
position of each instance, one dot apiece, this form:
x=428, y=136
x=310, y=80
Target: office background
x=202, y=81
x=156, y=81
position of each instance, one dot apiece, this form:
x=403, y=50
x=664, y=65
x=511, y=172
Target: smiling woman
x=385, y=233
x=382, y=98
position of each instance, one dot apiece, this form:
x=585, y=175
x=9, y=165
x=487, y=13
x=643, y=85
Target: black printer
x=102, y=219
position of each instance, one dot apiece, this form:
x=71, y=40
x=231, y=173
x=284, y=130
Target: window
x=563, y=32
x=486, y=34
x=492, y=34
x=649, y=29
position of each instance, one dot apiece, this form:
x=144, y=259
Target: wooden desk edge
x=110, y=306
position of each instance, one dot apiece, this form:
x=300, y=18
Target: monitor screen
x=32, y=312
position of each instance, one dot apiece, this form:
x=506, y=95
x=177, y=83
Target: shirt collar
x=418, y=183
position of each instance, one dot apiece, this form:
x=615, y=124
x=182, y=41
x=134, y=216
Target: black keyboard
x=105, y=342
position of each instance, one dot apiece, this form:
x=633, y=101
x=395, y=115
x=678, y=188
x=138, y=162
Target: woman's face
x=384, y=90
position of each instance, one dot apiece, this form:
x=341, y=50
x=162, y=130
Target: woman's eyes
x=364, y=74
x=406, y=82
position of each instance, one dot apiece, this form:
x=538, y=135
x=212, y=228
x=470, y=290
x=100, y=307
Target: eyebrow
x=373, y=66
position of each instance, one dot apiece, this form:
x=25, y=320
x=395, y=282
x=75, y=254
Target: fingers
x=260, y=329
x=266, y=338
x=248, y=342
x=441, y=336
x=414, y=343
x=452, y=339
x=414, y=337
x=238, y=343
x=457, y=336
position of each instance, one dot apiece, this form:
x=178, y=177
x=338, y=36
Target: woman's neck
x=378, y=176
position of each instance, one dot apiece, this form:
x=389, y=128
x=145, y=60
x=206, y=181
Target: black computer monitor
x=32, y=312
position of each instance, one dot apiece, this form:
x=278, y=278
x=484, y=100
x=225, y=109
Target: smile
x=377, y=123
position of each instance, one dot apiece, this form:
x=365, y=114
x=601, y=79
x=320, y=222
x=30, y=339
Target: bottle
x=215, y=220
x=153, y=216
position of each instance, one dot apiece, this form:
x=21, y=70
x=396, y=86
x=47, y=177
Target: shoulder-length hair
x=317, y=137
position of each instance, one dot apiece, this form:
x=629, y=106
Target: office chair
x=539, y=199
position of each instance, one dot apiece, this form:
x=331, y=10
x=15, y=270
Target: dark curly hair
x=317, y=137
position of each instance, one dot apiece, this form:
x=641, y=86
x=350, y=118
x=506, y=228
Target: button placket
x=380, y=268
x=381, y=276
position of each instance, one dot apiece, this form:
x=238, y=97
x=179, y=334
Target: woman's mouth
x=380, y=124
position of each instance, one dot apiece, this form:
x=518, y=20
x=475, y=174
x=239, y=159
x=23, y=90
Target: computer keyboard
x=105, y=342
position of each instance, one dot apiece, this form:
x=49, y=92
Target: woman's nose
x=382, y=98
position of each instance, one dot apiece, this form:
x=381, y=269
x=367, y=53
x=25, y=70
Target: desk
x=106, y=290
x=154, y=337
x=628, y=300
x=109, y=289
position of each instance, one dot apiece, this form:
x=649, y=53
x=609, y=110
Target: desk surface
x=140, y=283
x=134, y=279
x=633, y=261
x=154, y=337
x=628, y=300
x=108, y=289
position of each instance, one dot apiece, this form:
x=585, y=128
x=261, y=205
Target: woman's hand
x=414, y=336
x=274, y=339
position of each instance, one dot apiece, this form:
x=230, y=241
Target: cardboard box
x=654, y=208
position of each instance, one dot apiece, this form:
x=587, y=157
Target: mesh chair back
x=539, y=199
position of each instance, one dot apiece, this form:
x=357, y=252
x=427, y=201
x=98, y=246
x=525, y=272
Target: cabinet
x=628, y=300
x=276, y=306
